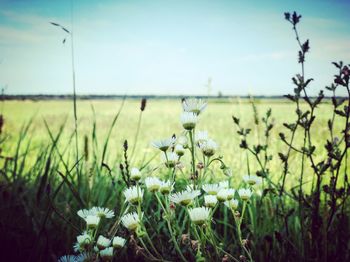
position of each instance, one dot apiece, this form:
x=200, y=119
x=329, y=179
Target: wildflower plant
x=188, y=203
x=176, y=199
x=90, y=244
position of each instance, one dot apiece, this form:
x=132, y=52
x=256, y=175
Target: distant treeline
x=111, y=97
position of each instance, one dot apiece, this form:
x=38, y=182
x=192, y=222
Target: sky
x=168, y=47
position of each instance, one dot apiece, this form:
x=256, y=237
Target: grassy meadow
x=159, y=120
x=44, y=182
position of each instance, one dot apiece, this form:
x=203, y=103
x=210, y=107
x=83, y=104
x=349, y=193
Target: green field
x=160, y=120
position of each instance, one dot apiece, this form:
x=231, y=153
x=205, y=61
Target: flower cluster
x=91, y=245
x=199, y=198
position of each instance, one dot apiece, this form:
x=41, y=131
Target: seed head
x=143, y=104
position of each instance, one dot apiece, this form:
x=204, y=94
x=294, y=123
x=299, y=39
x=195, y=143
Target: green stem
x=173, y=238
x=239, y=232
x=191, y=134
x=147, y=250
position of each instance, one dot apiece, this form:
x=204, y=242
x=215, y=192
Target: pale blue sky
x=168, y=47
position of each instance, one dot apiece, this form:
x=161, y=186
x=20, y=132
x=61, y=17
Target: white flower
x=77, y=247
x=83, y=257
x=210, y=200
x=164, y=144
x=83, y=213
x=252, y=179
x=179, y=150
x=96, y=211
x=208, y=147
x=84, y=240
x=92, y=221
x=199, y=215
x=133, y=194
x=233, y=203
x=224, y=184
x=103, y=242
x=67, y=258
x=170, y=159
x=184, y=197
x=245, y=194
x=131, y=221
x=135, y=174
x=166, y=187
x=102, y=212
x=118, y=242
x=225, y=194
x=189, y=120
x=211, y=189
x=194, y=105
x=107, y=253
x=153, y=183
x=201, y=136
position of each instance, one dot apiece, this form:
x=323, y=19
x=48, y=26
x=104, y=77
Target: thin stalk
x=75, y=111
x=191, y=133
x=136, y=136
x=173, y=238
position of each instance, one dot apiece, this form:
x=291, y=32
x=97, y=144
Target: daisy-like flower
x=67, y=258
x=252, y=179
x=189, y=120
x=225, y=194
x=245, y=194
x=102, y=212
x=233, y=204
x=194, y=105
x=201, y=136
x=208, y=147
x=107, y=254
x=83, y=257
x=211, y=189
x=77, y=248
x=84, y=240
x=135, y=174
x=83, y=213
x=164, y=144
x=184, y=197
x=210, y=200
x=118, y=242
x=92, y=221
x=166, y=187
x=170, y=159
x=103, y=242
x=131, y=221
x=133, y=194
x=179, y=150
x=199, y=215
x=153, y=184
x=224, y=184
